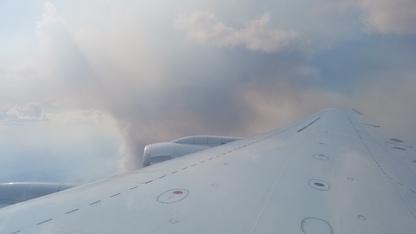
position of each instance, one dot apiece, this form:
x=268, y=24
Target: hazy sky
x=84, y=85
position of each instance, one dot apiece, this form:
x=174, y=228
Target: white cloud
x=29, y=112
x=49, y=16
x=256, y=35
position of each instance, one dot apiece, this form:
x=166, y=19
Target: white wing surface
x=331, y=173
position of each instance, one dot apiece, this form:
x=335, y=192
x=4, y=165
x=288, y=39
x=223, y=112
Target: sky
x=84, y=85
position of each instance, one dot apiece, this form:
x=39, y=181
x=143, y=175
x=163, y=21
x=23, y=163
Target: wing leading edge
x=331, y=173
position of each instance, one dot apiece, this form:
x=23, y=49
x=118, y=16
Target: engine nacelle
x=159, y=152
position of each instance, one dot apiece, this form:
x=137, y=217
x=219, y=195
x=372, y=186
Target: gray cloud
x=391, y=16
x=386, y=16
x=191, y=90
x=136, y=64
x=389, y=100
x=57, y=145
x=256, y=35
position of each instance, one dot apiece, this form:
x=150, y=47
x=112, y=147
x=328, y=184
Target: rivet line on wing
x=115, y=195
x=94, y=203
x=44, y=221
x=76, y=210
x=72, y=211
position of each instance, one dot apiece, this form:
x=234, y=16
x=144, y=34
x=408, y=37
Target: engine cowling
x=159, y=152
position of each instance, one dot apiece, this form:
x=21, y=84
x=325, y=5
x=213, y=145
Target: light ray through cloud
x=155, y=71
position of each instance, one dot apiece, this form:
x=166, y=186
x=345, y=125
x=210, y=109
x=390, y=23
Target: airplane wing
x=331, y=173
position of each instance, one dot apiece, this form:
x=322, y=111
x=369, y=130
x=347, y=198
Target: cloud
x=157, y=92
x=390, y=102
x=28, y=112
x=132, y=63
x=397, y=17
x=386, y=16
x=49, y=17
x=282, y=102
x=57, y=145
x=256, y=35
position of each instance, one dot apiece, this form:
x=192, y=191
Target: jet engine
x=159, y=152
